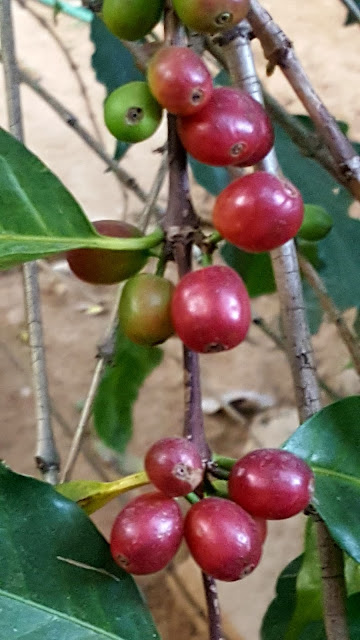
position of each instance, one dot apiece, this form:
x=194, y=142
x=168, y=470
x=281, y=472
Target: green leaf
x=339, y=252
x=350, y=18
x=38, y=216
x=356, y=325
x=308, y=588
x=57, y=577
x=112, y=62
x=119, y=389
x=91, y=495
x=213, y=179
x=254, y=268
x=330, y=443
x=280, y=611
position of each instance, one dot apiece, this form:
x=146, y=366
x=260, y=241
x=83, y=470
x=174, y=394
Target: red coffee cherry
x=271, y=483
x=179, y=80
x=174, y=466
x=222, y=538
x=211, y=309
x=146, y=534
x=106, y=266
x=261, y=525
x=231, y=129
x=258, y=212
x=145, y=309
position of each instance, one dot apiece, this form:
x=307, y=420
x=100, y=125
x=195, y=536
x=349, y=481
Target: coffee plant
x=283, y=185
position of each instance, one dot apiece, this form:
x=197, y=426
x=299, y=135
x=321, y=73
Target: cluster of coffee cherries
x=225, y=535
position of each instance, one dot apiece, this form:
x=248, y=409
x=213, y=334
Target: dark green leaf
x=280, y=611
x=38, y=216
x=119, y=389
x=351, y=19
x=316, y=630
x=356, y=325
x=330, y=442
x=339, y=251
x=254, y=268
x=213, y=179
x=112, y=62
x=308, y=588
x=57, y=577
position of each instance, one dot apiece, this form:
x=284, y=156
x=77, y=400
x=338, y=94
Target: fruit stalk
x=240, y=62
x=46, y=456
x=278, y=51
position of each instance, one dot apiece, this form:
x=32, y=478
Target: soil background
x=76, y=315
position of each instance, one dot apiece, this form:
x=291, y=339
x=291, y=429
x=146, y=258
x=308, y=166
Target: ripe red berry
x=174, y=466
x=106, y=266
x=179, y=80
x=210, y=16
x=261, y=525
x=211, y=309
x=231, y=129
x=222, y=538
x=146, y=534
x=258, y=212
x=271, y=483
x=144, y=309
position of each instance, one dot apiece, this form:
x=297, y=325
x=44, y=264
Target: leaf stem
x=241, y=66
x=47, y=457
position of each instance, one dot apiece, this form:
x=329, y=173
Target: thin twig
x=334, y=315
x=241, y=66
x=72, y=64
x=279, y=342
x=89, y=401
x=154, y=194
x=70, y=119
x=279, y=51
x=47, y=457
x=353, y=8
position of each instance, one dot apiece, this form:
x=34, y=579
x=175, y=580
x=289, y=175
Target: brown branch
x=279, y=51
x=47, y=457
x=241, y=66
x=71, y=120
x=181, y=225
x=346, y=335
x=72, y=64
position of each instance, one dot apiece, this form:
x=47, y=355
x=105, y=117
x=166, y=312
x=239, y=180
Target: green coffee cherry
x=131, y=113
x=131, y=19
x=316, y=223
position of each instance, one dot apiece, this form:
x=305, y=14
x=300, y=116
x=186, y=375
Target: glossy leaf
x=254, y=268
x=350, y=19
x=281, y=609
x=330, y=442
x=38, y=216
x=112, y=62
x=91, y=495
x=57, y=577
x=213, y=179
x=308, y=588
x=119, y=388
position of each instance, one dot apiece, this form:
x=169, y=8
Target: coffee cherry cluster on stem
x=224, y=535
